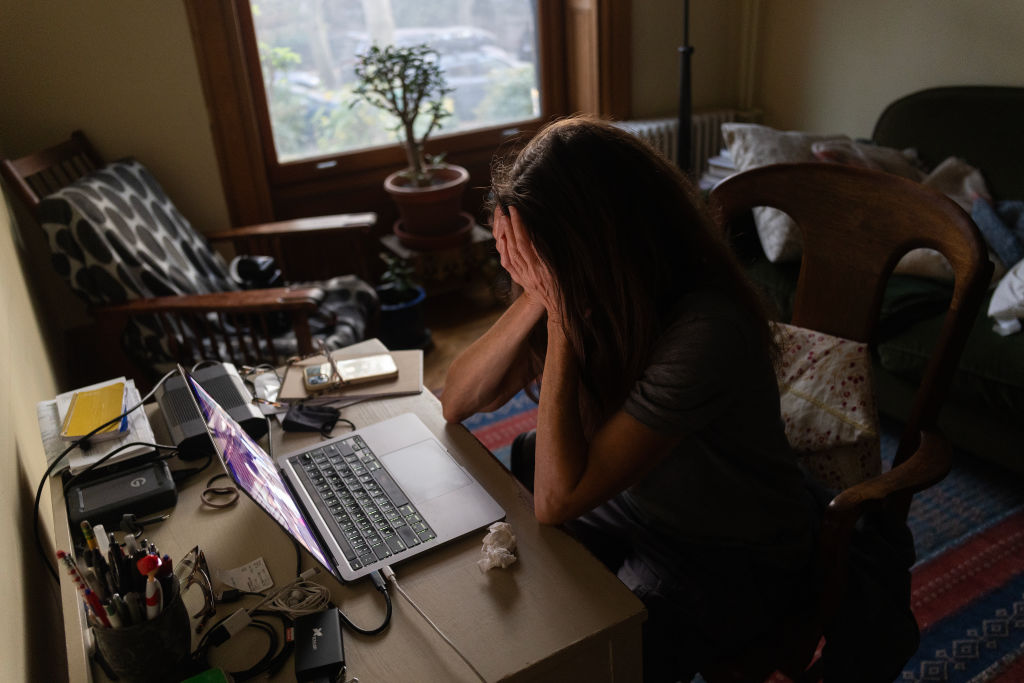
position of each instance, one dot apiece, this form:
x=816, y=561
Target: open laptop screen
x=253, y=470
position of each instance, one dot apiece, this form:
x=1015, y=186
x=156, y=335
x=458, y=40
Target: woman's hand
x=520, y=259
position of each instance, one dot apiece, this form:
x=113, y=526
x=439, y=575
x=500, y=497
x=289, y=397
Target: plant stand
x=445, y=270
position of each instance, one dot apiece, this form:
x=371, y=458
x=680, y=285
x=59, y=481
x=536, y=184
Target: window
x=308, y=52
x=513, y=63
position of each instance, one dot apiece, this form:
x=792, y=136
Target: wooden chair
x=855, y=226
x=219, y=321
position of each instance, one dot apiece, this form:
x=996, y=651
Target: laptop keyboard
x=374, y=518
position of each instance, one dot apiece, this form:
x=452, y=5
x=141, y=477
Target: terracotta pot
x=433, y=211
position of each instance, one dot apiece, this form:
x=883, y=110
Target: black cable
x=272, y=659
x=282, y=656
x=264, y=663
x=59, y=458
x=182, y=475
x=381, y=585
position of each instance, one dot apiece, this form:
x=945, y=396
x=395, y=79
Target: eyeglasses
x=191, y=571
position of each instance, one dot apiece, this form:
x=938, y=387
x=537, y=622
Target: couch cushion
x=990, y=374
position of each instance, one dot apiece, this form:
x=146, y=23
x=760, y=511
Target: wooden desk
x=556, y=614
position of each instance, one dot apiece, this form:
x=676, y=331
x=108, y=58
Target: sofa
x=967, y=142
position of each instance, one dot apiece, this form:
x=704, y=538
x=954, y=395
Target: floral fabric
x=828, y=405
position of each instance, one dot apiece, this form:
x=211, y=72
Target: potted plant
x=408, y=83
x=401, y=306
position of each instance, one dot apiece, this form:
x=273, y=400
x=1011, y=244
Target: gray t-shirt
x=733, y=480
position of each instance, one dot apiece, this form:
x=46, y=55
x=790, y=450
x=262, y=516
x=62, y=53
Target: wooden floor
x=455, y=320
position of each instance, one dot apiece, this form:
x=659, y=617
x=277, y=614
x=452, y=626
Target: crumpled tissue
x=499, y=549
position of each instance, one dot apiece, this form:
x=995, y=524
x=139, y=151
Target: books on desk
x=90, y=408
x=57, y=416
x=408, y=381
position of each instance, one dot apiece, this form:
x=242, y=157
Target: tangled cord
x=305, y=597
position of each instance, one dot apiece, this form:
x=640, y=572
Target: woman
x=659, y=441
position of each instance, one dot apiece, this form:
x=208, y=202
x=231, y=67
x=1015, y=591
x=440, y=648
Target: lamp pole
x=683, y=145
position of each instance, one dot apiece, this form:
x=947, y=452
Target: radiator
x=705, y=134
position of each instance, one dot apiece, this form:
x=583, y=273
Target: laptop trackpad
x=425, y=471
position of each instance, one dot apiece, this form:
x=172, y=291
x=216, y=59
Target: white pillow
x=828, y=405
x=1007, y=304
x=752, y=145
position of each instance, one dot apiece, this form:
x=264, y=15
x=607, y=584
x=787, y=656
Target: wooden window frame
x=584, y=47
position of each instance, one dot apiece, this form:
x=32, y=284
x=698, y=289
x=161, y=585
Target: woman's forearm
x=561, y=447
x=493, y=367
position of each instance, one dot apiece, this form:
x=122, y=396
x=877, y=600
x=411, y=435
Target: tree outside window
x=307, y=49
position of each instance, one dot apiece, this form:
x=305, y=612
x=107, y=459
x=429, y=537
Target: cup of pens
x=150, y=650
x=133, y=601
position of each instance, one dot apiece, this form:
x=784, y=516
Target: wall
x=830, y=66
x=123, y=72
x=30, y=618
x=715, y=30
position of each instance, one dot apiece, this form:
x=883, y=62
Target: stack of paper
x=52, y=415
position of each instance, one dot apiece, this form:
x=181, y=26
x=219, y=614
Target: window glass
x=307, y=48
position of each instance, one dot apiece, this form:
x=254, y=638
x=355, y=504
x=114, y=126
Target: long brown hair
x=626, y=236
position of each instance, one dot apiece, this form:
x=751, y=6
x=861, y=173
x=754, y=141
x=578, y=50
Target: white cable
x=389, y=574
x=305, y=597
x=300, y=578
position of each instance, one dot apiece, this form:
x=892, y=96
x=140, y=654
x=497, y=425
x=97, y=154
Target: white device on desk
x=392, y=492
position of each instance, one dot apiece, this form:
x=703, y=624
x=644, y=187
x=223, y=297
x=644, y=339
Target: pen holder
x=151, y=651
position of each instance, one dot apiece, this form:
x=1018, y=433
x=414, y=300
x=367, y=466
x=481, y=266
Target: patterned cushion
x=828, y=405
x=115, y=236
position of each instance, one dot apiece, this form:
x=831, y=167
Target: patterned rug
x=968, y=583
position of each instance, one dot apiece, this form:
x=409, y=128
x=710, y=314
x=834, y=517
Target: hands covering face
x=520, y=259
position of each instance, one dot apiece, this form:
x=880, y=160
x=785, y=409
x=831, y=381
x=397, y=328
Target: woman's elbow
x=451, y=411
x=550, y=512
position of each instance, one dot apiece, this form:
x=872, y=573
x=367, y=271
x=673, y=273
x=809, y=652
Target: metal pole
x=683, y=145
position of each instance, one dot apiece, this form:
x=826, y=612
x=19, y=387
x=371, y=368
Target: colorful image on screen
x=254, y=471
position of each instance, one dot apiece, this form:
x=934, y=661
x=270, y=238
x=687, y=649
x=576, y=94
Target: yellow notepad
x=91, y=408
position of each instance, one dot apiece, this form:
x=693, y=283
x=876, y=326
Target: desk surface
x=556, y=614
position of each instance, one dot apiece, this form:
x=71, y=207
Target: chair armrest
x=928, y=465
x=341, y=222
x=244, y=301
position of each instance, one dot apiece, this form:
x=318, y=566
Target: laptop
x=358, y=502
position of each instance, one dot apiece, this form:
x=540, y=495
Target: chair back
x=116, y=237
x=34, y=176
x=855, y=225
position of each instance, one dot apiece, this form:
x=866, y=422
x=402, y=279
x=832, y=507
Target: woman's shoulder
x=708, y=309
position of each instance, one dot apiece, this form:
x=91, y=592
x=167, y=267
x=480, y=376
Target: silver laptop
x=359, y=502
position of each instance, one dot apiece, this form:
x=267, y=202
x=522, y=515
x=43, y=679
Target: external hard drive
x=141, y=491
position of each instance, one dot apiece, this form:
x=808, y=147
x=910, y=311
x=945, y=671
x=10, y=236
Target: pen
x=112, y=616
x=164, y=574
x=89, y=577
x=114, y=556
x=122, y=609
x=101, y=539
x=72, y=570
x=90, y=537
x=149, y=565
x=97, y=607
x=134, y=603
